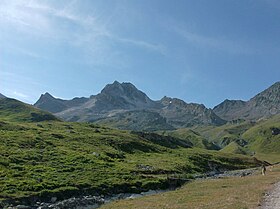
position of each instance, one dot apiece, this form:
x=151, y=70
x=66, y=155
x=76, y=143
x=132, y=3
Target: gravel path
x=272, y=198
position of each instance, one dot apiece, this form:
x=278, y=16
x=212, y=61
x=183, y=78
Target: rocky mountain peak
x=270, y=95
x=125, y=90
x=46, y=95
x=49, y=103
x=228, y=104
x=263, y=105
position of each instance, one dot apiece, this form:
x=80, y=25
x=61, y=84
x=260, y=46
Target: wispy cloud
x=36, y=18
x=217, y=43
x=143, y=44
x=19, y=94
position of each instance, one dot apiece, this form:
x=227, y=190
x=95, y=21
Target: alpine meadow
x=139, y=104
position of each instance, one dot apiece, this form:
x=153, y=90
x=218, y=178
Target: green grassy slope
x=264, y=137
x=14, y=110
x=261, y=137
x=225, y=134
x=234, y=147
x=65, y=159
x=42, y=157
x=193, y=137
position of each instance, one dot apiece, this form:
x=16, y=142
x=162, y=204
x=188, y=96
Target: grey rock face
x=229, y=109
x=182, y=114
x=54, y=105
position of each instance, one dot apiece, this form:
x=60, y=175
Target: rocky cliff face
x=229, y=109
x=263, y=105
x=123, y=105
x=182, y=114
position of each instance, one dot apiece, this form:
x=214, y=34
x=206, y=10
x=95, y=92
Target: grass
x=226, y=193
x=225, y=134
x=42, y=157
x=66, y=159
x=194, y=137
x=261, y=139
x=233, y=147
x=14, y=110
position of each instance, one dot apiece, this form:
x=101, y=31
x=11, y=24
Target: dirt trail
x=272, y=198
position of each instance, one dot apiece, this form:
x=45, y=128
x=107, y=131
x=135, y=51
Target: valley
x=120, y=141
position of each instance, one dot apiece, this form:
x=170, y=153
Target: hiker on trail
x=263, y=169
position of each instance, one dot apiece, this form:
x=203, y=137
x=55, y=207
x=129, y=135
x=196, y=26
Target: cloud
x=217, y=43
x=21, y=95
x=54, y=23
x=143, y=44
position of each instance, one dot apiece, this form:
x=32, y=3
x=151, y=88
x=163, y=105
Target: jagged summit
x=263, y=105
x=126, y=90
x=124, y=103
x=47, y=95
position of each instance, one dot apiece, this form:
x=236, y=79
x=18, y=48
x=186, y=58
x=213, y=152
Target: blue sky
x=198, y=50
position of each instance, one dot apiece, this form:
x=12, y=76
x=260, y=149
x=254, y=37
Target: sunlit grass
x=227, y=193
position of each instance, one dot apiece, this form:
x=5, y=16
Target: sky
x=197, y=50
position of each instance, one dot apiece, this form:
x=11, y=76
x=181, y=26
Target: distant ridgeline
x=122, y=105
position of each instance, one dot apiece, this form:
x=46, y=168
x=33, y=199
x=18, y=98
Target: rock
x=275, y=131
x=53, y=199
x=22, y=207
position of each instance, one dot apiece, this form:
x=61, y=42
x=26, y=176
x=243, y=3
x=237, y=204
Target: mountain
x=2, y=96
x=263, y=105
x=229, y=109
x=182, y=114
x=122, y=105
x=138, y=120
x=124, y=96
x=49, y=103
x=14, y=110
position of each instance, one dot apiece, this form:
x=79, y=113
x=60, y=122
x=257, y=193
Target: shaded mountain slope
x=14, y=110
x=263, y=105
x=2, y=96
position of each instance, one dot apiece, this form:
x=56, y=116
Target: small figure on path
x=263, y=169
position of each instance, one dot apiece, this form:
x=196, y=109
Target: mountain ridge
x=118, y=101
x=122, y=105
x=263, y=105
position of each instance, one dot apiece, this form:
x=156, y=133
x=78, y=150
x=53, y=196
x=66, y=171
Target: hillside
x=64, y=159
x=137, y=120
x=225, y=134
x=14, y=110
x=194, y=137
x=243, y=137
x=2, y=96
x=264, y=137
